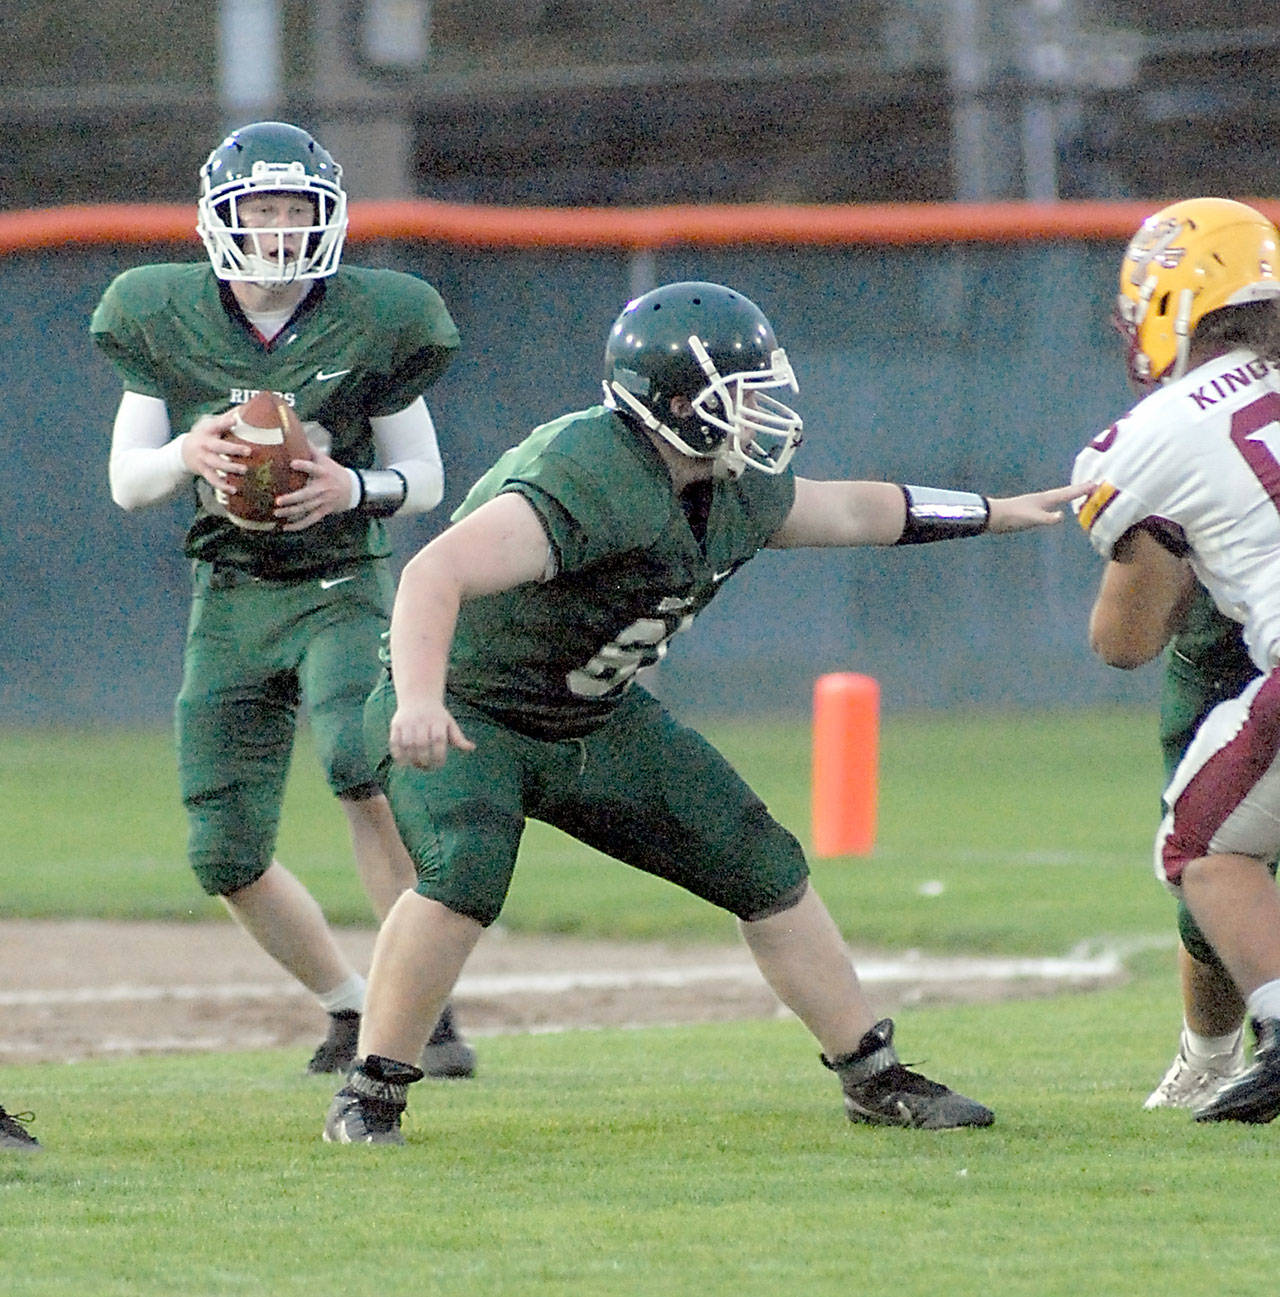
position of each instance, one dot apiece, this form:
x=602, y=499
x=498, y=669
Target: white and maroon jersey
x=1198, y=463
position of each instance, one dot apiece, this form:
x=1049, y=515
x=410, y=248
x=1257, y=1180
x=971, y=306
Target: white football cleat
x=1188, y=1084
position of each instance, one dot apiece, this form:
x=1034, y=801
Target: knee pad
x=464, y=849
x=345, y=762
x=771, y=873
x=221, y=877
x=230, y=840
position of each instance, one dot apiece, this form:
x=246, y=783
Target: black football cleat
x=367, y=1110
x=1254, y=1095
x=337, y=1051
x=879, y=1091
x=14, y=1133
x=447, y=1054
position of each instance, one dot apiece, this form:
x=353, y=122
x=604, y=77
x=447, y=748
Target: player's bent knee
x=348, y=771
x=218, y=876
x=365, y=792
x=464, y=855
x=480, y=907
x=768, y=876
x=231, y=838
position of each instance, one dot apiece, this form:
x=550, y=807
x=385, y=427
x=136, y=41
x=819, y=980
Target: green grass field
x=1037, y=826
x=701, y=1160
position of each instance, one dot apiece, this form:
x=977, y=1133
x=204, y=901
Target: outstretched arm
x=882, y=513
x=501, y=545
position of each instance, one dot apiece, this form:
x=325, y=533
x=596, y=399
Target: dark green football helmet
x=713, y=347
x=271, y=158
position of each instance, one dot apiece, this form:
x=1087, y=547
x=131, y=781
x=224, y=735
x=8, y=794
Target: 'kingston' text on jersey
x=1230, y=380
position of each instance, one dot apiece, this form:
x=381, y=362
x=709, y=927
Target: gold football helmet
x=1188, y=259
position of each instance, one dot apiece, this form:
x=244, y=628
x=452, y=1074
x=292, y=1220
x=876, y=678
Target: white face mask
x=761, y=432
x=235, y=252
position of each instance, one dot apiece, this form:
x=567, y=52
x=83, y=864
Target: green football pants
x=256, y=652
x=641, y=788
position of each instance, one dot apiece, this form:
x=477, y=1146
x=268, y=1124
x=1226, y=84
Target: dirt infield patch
x=74, y=990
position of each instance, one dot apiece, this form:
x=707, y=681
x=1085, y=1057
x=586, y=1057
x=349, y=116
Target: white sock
x=346, y=997
x=1265, y=1001
x=1203, y=1048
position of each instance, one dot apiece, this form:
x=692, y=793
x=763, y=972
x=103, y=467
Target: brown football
x=273, y=432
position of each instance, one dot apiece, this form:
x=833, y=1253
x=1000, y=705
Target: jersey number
x=1254, y=430
x=642, y=644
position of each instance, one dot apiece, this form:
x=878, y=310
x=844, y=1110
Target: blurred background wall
x=591, y=101
x=984, y=367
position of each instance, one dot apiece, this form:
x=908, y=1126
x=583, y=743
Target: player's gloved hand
x=206, y=453
x=330, y=488
x=422, y=734
x=1038, y=509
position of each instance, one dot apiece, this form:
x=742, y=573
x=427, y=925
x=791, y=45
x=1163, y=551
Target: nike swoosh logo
x=328, y=582
x=323, y=376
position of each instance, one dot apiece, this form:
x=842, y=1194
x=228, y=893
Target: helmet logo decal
x=1155, y=245
x=1185, y=262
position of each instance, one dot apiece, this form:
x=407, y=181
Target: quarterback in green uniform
x=289, y=615
x=514, y=647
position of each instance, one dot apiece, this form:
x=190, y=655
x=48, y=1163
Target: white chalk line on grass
x=1090, y=964
x=1077, y=967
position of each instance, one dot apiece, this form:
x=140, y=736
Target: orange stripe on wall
x=633, y=228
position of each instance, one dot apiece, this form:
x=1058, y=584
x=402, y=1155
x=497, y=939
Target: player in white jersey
x=1187, y=486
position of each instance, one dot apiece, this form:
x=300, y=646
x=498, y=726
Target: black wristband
x=933, y=514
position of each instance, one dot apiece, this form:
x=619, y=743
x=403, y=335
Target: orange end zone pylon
x=846, y=757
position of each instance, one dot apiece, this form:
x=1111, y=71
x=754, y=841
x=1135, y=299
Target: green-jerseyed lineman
x=287, y=617
x=617, y=532
x=514, y=647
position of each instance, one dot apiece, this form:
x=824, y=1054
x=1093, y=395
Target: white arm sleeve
x=146, y=465
x=406, y=441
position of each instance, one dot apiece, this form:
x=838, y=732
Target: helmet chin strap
x=615, y=392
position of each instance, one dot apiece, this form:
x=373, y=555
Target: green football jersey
x=1205, y=663
x=1211, y=643
x=363, y=343
x=552, y=658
